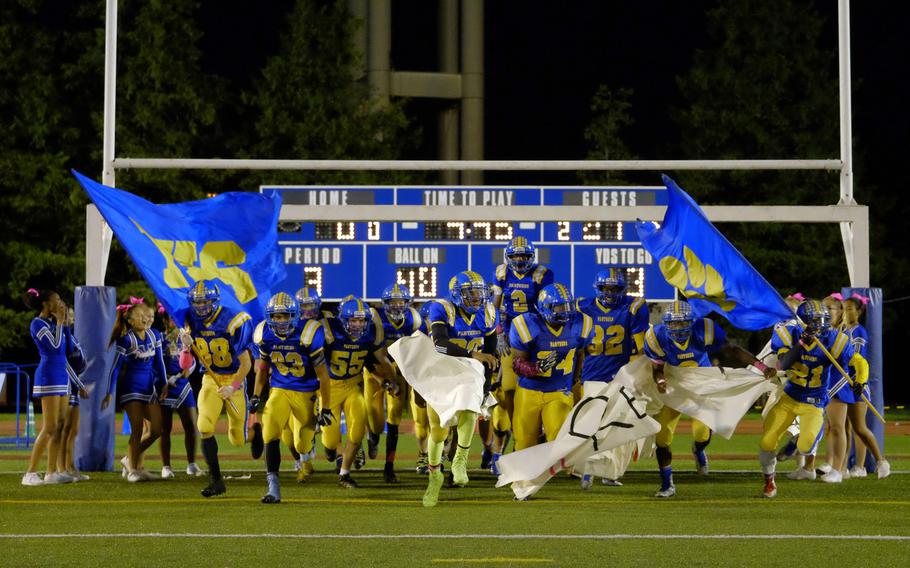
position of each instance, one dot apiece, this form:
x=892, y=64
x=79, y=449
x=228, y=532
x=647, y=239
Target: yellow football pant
x=669, y=418
x=347, y=397
x=211, y=404
x=533, y=408
x=281, y=407
x=383, y=406
x=419, y=413
x=780, y=417
x=501, y=419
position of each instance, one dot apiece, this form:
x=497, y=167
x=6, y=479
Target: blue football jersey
x=613, y=342
x=808, y=379
x=465, y=330
x=292, y=356
x=519, y=292
x=411, y=323
x=345, y=356
x=705, y=340
x=220, y=339
x=531, y=334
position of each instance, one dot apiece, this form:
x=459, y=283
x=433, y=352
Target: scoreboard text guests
x=362, y=258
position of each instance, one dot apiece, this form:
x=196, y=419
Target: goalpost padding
x=96, y=309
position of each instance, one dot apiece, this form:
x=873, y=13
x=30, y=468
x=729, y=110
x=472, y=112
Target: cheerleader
x=76, y=359
x=139, y=375
x=51, y=384
x=175, y=348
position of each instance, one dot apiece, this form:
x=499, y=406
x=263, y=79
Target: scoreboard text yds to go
x=362, y=258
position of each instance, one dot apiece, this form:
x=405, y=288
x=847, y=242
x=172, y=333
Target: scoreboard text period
x=362, y=258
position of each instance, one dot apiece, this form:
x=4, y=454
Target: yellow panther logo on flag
x=691, y=273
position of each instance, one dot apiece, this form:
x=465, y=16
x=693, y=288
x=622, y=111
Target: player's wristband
x=236, y=385
x=760, y=366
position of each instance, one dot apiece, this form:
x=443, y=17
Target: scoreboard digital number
x=362, y=258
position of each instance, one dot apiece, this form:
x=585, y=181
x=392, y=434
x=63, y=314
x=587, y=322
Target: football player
x=292, y=359
x=548, y=348
x=465, y=326
x=419, y=405
x=799, y=350
x=350, y=338
x=686, y=341
x=398, y=319
x=620, y=323
x=517, y=283
x=221, y=342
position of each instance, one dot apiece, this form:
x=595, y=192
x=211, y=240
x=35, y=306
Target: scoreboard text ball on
x=362, y=258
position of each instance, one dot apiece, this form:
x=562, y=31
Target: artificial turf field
x=719, y=520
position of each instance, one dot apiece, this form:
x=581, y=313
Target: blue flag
x=231, y=239
x=701, y=263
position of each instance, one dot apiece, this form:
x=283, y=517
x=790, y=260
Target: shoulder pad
x=237, y=321
x=259, y=333
x=539, y=273
x=327, y=326
x=308, y=332
x=489, y=315
x=587, y=324
x=415, y=317
x=501, y=272
x=637, y=305
x=709, y=331
x=449, y=307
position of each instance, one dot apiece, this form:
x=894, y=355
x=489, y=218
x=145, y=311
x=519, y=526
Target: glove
x=392, y=387
x=502, y=345
x=325, y=417
x=858, y=388
x=254, y=404
x=226, y=391
x=547, y=363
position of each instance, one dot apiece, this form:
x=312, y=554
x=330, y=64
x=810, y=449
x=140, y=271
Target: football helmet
x=355, y=317
x=309, y=301
x=282, y=304
x=814, y=316
x=396, y=299
x=468, y=291
x=520, y=254
x=678, y=318
x=204, y=298
x=610, y=284
x=556, y=304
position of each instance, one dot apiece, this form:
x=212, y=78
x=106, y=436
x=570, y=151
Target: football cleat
x=486, y=458
x=388, y=474
x=32, y=479
x=360, y=458
x=372, y=445
x=422, y=463
x=802, y=473
x=701, y=461
x=833, y=476
x=883, y=470
x=787, y=451
x=770, y=490
x=666, y=492
x=331, y=454
x=257, y=445
x=460, y=468
x=193, y=470
x=338, y=461
x=611, y=482
x=306, y=469
x=494, y=467
x=270, y=499
x=167, y=472
x=587, y=482
x=431, y=496
x=347, y=481
x=215, y=487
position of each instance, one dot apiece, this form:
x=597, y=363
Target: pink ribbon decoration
x=124, y=307
x=34, y=292
x=861, y=299
x=134, y=300
x=837, y=296
x=161, y=309
x=797, y=296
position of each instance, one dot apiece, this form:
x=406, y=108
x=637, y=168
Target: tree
x=611, y=118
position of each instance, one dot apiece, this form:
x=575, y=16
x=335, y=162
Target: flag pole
x=843, y=373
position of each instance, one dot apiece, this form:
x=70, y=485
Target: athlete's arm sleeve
x=44, y=339
x=242, y=338
x=120, y=357
x=861, y=366
x=443, y=344
x=159, y=366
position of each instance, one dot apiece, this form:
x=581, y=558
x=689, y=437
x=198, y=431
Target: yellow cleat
x=306, y=469
x=431, y=497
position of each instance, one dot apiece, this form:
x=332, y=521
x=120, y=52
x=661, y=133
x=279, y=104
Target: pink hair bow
x=134, y=301
x=34, y=292
x=837, y=296
x=862, y=299
x=797, y=296
x=161, y=309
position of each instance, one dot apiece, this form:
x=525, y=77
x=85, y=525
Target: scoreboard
x=362, y=258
